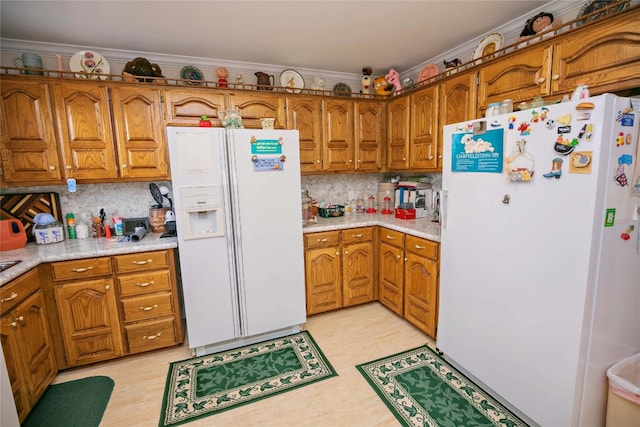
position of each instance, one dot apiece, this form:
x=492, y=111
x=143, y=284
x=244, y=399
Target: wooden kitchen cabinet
x=421, y=283
x=26, y=341
x=337, y=135
x=339, y=269
x=391, y=266
x=424, y=131
x=88, y=310
x=141, y=137
x=28, y=144
x=185, y=107
x=369, y=135
x=255, y=106
x=148, y=299
x=398, y=119
x=305, y=115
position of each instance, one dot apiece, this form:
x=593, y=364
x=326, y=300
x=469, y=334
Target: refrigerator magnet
x=580, y=162
x=524, y=128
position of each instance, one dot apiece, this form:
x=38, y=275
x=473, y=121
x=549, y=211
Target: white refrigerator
x=239, y=225
x=540, y=255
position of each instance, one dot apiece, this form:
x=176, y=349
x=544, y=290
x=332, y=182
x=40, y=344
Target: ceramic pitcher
x=31, y=63
x=265, y=81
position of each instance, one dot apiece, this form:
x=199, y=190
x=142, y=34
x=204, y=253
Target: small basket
x=335, y=210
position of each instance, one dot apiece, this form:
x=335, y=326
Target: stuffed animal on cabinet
x=543, y=21
x=366, y=80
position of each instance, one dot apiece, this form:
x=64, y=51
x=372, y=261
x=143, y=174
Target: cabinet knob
x=10, y=297
x=541, y=80
x=337, y=253
x=555, y=77
x=52, y=168
x=67, y=167
x=398, y=256
x=404, y=159
x=350, y=161
x=317, y=161
x=123, y=166
x=430, y=157
x=346, y=252
x=406, y=259
x=107, y=287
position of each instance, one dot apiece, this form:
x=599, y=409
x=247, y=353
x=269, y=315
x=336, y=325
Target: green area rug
x=202, y=386
x=421, y=389
x=78, y=403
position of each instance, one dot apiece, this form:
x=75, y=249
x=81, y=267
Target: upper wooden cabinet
x=141, y=138
x=369, y=135
x=186, y=107
x=398, y=120
x=423, y=134
x=337, y=135
x=305, y=115
x=28, y=144
x=255, y=106
x=85, y=131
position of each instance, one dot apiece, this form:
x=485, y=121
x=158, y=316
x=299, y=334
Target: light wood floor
x=347, y=337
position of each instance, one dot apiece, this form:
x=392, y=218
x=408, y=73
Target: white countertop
x=421, y=227
x=32, y=255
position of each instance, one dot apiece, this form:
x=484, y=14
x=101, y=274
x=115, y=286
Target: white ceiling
x=340, y=36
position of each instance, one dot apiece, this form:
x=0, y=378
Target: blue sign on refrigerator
x=478, y=153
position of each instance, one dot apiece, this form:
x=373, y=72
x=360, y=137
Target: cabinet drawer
x=142, y=261
x=18, y=290
x=81, y=268
x=147, y=307
x=322, y=240
x=392, y=237
x=363, y=234
x=422, y=246
x=151, y=335
x=144, y=283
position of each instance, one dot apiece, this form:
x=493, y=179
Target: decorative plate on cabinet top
x=291, y=80
x=342, y=89
x=592, y=6
x=488, y=45
x=193, y=74
x=91, y=63
x=428, y=71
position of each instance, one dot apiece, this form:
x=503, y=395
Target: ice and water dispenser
x=202, y=211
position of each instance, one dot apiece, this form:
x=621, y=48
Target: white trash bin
x=623, y=403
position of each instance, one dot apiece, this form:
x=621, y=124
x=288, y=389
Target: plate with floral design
x=90, y=65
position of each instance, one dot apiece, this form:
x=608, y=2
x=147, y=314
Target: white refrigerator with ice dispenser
x=540, y=254
x=239, y=226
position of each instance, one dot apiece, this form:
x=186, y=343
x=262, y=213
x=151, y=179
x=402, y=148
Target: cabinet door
x=28, y=145
x=256, y=106
x=369, y=133
x=606, y=57
x=89, y=319
x=323, y=279
x=84, y=126
x=357, y=273
x=338, y=135
x=424, y=129
x=14, y=363
x=186, y=107
x=398, y=134
x=421, y=292
x=305, y=115
x=457, y=104
x=391, y=265
x=142, y=145
x=519, y=76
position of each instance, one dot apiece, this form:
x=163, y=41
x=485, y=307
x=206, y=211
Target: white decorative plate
x=488, y=45
x=89, y=62
x=291, y=80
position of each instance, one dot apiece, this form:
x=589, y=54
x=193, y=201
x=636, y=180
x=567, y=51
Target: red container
x=12, y=235
x=405, y=213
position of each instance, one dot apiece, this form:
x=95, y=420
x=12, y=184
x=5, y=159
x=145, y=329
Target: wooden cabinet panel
x=147, y=307
x=323, y=279
x=338, y=137
x=305, y=115
x=358, y=273
x=85, y=132
x=424, y=129
x=422, y=247
x=28, y=145
x=369, y=134
x=391, y=282
x=256, y=106
x=142, y=145
x=186, y=107
x=421, y=292
x=89, y=318
x=13, y=358
x=458, y=103
x=142, y=283
x=322, y=240
x=142, y=261
x=81, y=268
x=148, y=336
x=398, y=120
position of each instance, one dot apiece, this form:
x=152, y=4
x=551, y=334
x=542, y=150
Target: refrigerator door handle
x=443, y=207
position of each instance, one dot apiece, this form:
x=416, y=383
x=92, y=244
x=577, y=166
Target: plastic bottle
x=71, y=226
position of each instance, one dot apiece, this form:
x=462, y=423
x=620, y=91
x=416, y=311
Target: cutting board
x=25, y=206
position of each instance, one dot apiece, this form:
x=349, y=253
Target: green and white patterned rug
x=421, y=389
x=202, y=386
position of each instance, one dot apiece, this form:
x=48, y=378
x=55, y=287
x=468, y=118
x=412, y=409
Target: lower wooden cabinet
x=409, y=282
x=339, y=269
x=26, y=341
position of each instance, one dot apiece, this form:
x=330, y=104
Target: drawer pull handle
x=323, y=240
x=390, y=237
x=82, y=269
x=148, y=308
x=151, y=337
x=10, y=297
x=143, y=262
x=145, y=284
x=420, y=247
x=357, y=235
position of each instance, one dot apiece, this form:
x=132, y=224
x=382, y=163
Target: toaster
x=12, y=234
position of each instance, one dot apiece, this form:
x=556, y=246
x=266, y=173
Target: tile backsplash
x=133, y=199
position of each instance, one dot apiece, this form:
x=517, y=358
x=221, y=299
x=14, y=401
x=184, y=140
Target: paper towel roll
x=139, y=234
